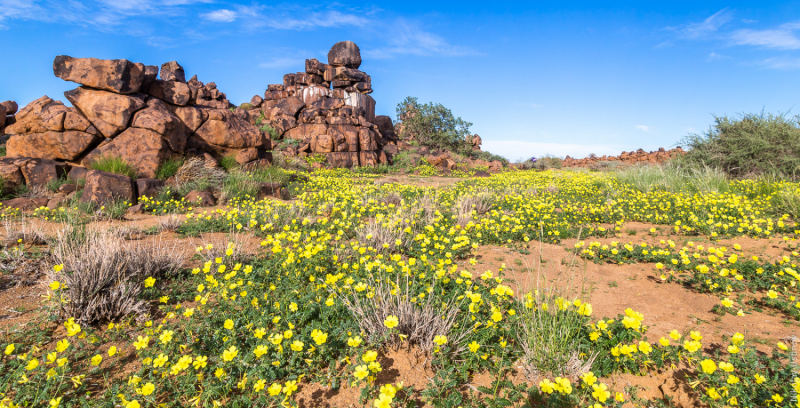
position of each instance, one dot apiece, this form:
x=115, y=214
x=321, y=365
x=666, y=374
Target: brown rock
x=157, y=117
x=313, y=66
x=391, y=149
x=347, y=74
x=10, y=107
x=287, y=107
x=104, y=188
x=343, y=159
x=150, y=75
x=322, y=143
x=24, y=204
x=312, y=93
x=201, y=199
x=276, y=87
x=51, y=145
x=2, y=116
x=437, y=159
x=246, y=155
x=11, y=174
x=39, y=116
x=136, y=209
x=345, y=53
x=368, y=159
x=67, y=188
x=366, y=140
x=327, y=103
x=110, y=113
x=306, y=130
x=57, y=202
x=119, y=76
x=256, y=101
x=141, y=148
x=227, y=130
x=495, y=166
x=272, y=190
x=282, y=123
x=38, y=172
x=75, y=121
x=191, y=116
x=77, y=173
x=148, y=187
x=176, y=93
x=172, y=71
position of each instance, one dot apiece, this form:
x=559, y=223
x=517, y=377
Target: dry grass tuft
x=200, y=172
x=171, y=223
x=25, y=233
x=386, y=236
x=104, y=274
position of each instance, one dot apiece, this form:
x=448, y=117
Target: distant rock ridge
x=639, y=156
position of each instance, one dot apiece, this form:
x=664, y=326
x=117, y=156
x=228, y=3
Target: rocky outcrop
x=119, y=76
x=328, y=109
x=625, y=158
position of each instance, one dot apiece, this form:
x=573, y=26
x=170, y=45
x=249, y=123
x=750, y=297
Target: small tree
x=433, y=125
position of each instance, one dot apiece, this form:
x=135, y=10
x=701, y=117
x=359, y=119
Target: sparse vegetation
x=169, y=167
x=113, y=164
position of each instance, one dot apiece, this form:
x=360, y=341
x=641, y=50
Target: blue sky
x=532, y=77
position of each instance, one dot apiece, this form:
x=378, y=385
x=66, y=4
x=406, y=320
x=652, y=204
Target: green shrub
x=433, y=125
x=228, y=162
x=169, y=167
x=545, y=163
x=481, y=155
x=245, y=105
x=264, y=126
x=750, y=144
x=674, y=177
x=3, y=151
x=113, y=164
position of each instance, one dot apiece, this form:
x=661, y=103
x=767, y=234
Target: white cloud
x=781, y=38
x=781, y=63
x=643, y=128
x=220, y=16
x=408, y=38
x=706, y=27
x=515, y=149
x=715, y=56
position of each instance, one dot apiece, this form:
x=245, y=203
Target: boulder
x=110, y=113
x=23, y=204
x=436, y=160
x=246, y=155
x=391, y=149
x=67, y=188
x=104, y=188
x=141, y=148
x=272, y=190
x=39, y=172
x=322, y=143
x=256, y=101
x=77, y=173
x=366, y=140
x=290, y=106
x=172, y=71
x=2, y=116
x=312, y=93
x=346, y=54
x=67, y=145
x=119, y=76
x=136, y=209
x=327, y=103
x=73, y=120
x=368, y=159
x=11, y=175
x=282, y=123
x=191, y=116
x=148, y=187
x=313, y=66
x=201, y=199
x=157, y=117
x=176, y=93
x=344, y=159
x=39, y=116
x=225, y=129
x=150, y=75
x=481, y=174
x=10, y=107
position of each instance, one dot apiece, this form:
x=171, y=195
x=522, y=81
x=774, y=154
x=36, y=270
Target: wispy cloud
x=781, y=63
x=405, y=37
x=713, y=56
x=221, y=16
x=643, y=128
x=704, y=28
x=782, y=38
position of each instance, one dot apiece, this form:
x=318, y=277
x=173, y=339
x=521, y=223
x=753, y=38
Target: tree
x=433, y=125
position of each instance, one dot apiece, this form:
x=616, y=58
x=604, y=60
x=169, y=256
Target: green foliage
x=545, y=163
x=3, y=151
x=169, y=167
x=264, y=126
x=749, y=144
x=674, y=177
x=316, y=158
x=228, y=162
x=113, y=164
x=481, y=155
x=433, y=125
x=245, y=105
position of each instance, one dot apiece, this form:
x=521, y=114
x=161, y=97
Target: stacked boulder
x=638, y=156
x=123, y=109
x=328, y=110
x=7, y=111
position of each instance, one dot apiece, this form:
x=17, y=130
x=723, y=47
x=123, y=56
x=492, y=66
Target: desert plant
x=170, y=223
x=198, y=174
x=23, y=232
x=674, y=177
x=55, y=183
x=228, y=162
x=548, y=162
x=103, y=276
x=169, y=167
x=386, y=236
x=280, y=159
x=264, y=126
x=113, y=164
x=472, y=204
x=747, y=145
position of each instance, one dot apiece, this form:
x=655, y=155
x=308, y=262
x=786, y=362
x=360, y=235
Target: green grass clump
x=169, y=167
x=113, y=164
x=675, y=177
x=751, y=144
x=228, y=162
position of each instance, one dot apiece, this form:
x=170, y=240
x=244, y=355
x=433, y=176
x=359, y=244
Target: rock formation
x=639, y=156
x=328, y=110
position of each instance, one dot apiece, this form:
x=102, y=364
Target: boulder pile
x=639, y=156
x=327, y=110
x=7, y=111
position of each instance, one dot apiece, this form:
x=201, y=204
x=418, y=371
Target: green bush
x=228, y=162
x=3, y=151
x=433, y=125
x=545, y=163
x=748, y=145
x=113, y=164
x=264, y=126
x=674, y=177
x=169, y=167
x=487, y=156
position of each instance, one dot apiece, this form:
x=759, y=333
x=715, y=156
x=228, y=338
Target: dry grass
x=198, y=174
x=469, y=206
x=171, y=223
x=23, y=232
x=419, y=322
x=104, y=274
x=386, y=236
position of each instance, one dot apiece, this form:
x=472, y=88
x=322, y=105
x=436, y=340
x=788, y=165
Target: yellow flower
x=290, y=387
x=133, y=404
x=645, y=347
x=369, y=356
x=708, y=366
x=440, y=340
x=141, y=343
x=474, y=346
x=319, y=337
x=600, y=392
x=149, y=282
x=297, y=345
x=259, y=385
x=166, y=336
x=230, y=354
x=148, y=389
x=112, y=350
x=589, y=378
x=737, y=339
x=391, y=322
x=675, y=335
x=228, y=324
x=725, y=366
x=354, y=341
x=733, y=349
x=62, y=345
x=274, y=389
x=9, y=349
x=160, y=360
x=32, y=364
x=55, y=402
x=546, y=386
x=383, y=401
x=759, y=378
x=54, y=285
x=782, y=346
x=727, y=302
x=200, y=362
x=663, y=342
x=361, y=372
